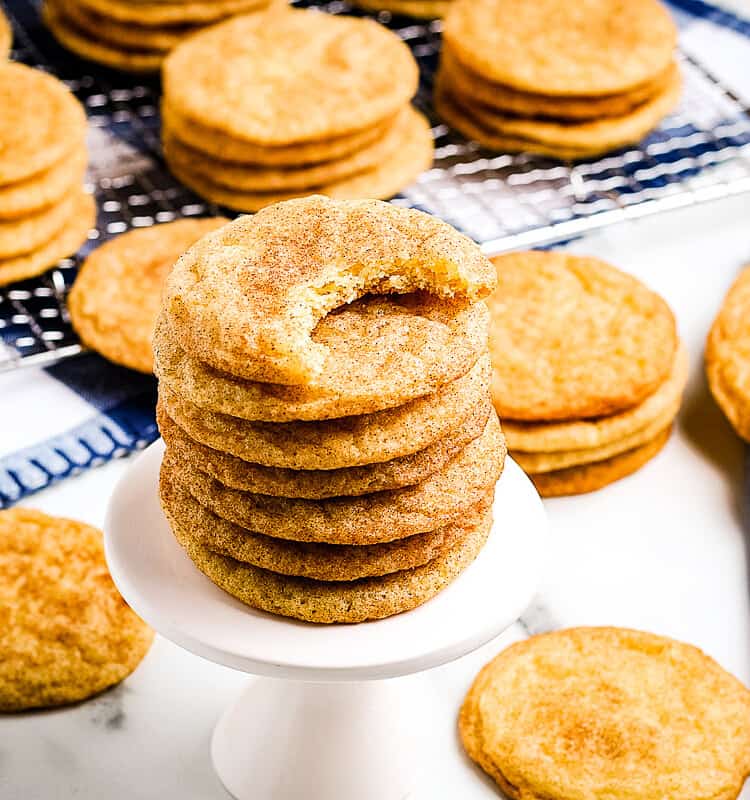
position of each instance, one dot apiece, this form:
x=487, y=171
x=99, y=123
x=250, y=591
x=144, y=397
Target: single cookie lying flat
x=608, y=712
x=19, y=237
x=504, y=98
x=65, y=632
x=589, y=47
x=41, y=123
x=581, y=434
x=45, y=188
x=62, y=245
x=290, y=75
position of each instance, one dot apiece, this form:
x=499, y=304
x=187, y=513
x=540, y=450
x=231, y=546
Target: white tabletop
x=662, y=550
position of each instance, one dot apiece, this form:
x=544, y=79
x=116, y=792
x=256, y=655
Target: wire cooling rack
x=504, y=202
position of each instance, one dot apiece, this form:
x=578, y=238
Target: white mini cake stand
x=331, y=728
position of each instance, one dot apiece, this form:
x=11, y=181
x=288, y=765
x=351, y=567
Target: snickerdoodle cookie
x=573, y=337
x=422, y=344
x=608, y=712
x=569, y=80
x=319, y=484
x=45, y=189
x=339, y=601
x=247, y=298
x=116, y=296
x=580, y=434
x=290, y=76
x=41, y=123
x=24, y=235
x=587, y=369
x=728, y=355
x=340, y=442
x=367, y=519
x=65, y=632
x=319, y=561
x=63, y=244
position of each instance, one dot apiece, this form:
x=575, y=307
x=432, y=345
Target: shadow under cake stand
x=332, y=727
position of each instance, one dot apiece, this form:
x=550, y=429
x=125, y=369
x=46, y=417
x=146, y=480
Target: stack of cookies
x=134, y=37
x=588, y=372
x=45, y=215
x=569, y=80
x=728, y=355
x=264, y=108
x=332, y=451
x=617, y=714
x=116, y=295
x=67, y=634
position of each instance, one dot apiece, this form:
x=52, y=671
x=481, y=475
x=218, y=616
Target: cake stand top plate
x=164, y=587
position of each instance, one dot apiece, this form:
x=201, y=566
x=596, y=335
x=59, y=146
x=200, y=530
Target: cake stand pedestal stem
x=297, y=740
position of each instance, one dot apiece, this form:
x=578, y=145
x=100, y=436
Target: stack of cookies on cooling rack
x=569, y=80
x=264, y=108
x=331, y=448
x=135, y=37
x=45, y=215
x=588, y=372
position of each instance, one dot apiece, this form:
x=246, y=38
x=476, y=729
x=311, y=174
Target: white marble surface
x=663, y=550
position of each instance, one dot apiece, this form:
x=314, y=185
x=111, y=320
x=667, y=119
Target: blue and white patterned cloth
x=73, y=416
x=86, y=412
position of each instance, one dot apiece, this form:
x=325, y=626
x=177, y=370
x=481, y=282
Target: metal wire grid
x=502, y=201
